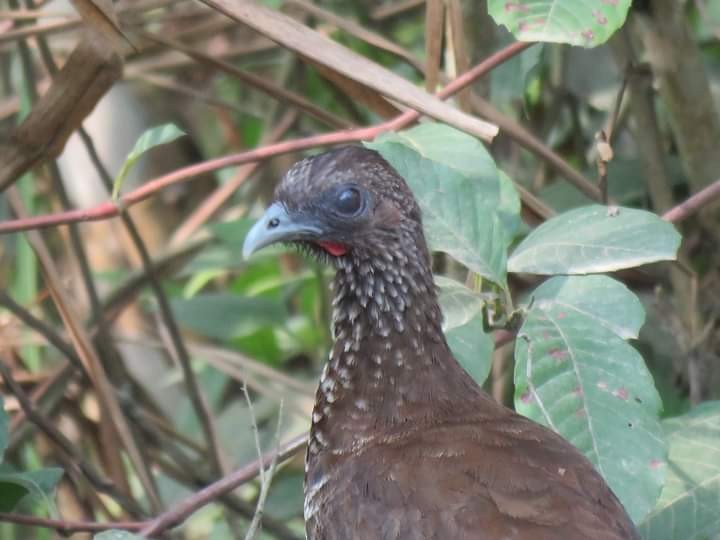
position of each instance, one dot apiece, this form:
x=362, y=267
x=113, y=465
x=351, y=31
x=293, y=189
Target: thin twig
x=42, y=328
x=181, y=511
x=62, y=442
x=67, y=528
x=696, y=202
x=215, y=200
x=84, y=346
x=265, y=477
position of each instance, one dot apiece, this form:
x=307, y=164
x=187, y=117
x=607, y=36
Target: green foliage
x=578, y=22
x=226, y=316
x=575, y=373
x=463, y=327
x=595, y=239
x=457, y=186
x=690, y=501
x=150, y=139
x=574, y=369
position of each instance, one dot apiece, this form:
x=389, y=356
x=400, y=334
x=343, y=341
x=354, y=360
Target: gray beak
x=276, y=225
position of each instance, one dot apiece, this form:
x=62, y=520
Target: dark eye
x=349, y=201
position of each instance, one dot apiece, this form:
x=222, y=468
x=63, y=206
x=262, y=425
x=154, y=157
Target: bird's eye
x=349, y=201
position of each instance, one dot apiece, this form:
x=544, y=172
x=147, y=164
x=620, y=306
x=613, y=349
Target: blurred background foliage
x=178, y=338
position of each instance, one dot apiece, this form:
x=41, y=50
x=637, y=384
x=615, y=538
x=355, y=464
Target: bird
x=404, y=444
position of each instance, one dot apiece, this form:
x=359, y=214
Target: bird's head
x=347, y=201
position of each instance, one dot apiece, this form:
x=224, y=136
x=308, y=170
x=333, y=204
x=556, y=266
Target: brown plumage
x=404, y=444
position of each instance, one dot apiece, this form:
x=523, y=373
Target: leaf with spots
x=463, y=327
x=595, y=239
x=575, y=373
x=689, y=505
x=587, y=23
x=457, y=186
x=609, y=302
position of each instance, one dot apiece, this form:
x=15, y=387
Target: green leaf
x=689, y=505
x=116, y=534
x=226, y=316
x=457, y=186
x=578, y=22
x=150, y=139
x=233, y=232
x=10, y=494
x=459, y=304
x=510, y=79
x=603, y=299
x=574, y=373
x=509, y=206
x=463, y=327
x=4, y=428
x=472, y=348
x=450, y=147
x=39, y=484
x=595, y=239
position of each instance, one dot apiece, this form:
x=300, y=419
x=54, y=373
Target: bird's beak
x=277, y=225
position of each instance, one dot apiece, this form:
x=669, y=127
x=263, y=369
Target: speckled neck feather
x=390, y=361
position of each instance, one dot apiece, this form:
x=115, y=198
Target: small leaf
x=574, y=373
x=150, y=139
x=39, y=484
x=689, y=504
x=226, y=316
x=459, y=304
x=578, y=22
x=457, y=187
x=595, y=239
x=463, y=327
x=607, y=301
x=472, y=348
x=10, y=494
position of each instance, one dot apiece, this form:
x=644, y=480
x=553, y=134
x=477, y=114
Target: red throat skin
x=334, y=248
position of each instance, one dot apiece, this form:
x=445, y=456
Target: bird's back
x=495, y=476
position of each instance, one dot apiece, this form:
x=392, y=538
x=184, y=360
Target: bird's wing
x=499, y=479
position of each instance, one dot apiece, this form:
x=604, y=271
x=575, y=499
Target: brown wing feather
x=502, y=478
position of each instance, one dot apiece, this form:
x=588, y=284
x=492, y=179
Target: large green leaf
x=463, y=327
x=689, y=505
x=578, y=22
x=595, y=239
x=574, y=373
x=225, y=315
x=457, y=186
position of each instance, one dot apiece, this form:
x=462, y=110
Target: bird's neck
x=390, y=367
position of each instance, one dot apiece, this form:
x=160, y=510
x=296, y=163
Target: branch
x=67, y=528
x=686, y=209
x=196, y=501
x=114, y=208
